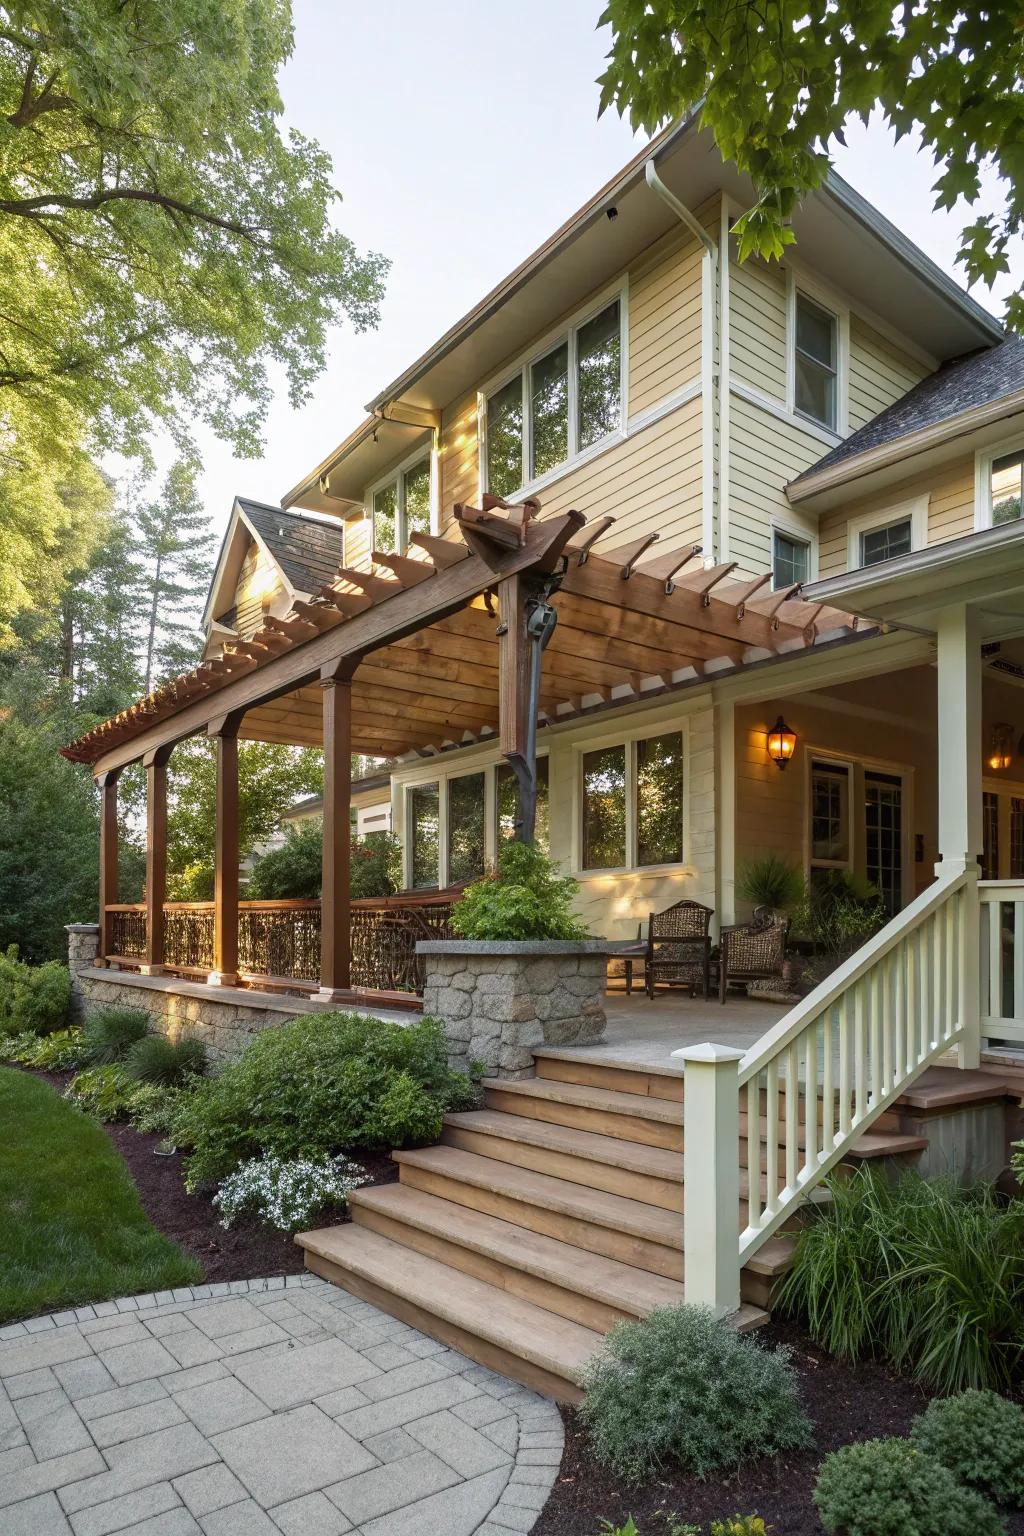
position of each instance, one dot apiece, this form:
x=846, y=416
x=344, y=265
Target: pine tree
x=176, y=548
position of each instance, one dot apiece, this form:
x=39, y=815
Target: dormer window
x=816, y=363
x=401, y=507
x=565, y=401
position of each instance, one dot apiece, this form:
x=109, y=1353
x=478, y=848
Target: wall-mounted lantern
x=781, y=743
x=1001, y=751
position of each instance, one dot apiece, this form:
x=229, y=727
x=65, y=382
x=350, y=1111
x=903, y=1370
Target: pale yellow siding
x=664, y=321
x=757, y=326
x=259, y=587
x=765, y=452
x=880, y=372
x=358, y=541
x=950, y=491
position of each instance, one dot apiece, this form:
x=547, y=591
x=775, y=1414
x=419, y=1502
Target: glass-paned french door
x=883, y=837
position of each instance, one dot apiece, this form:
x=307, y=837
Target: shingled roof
x=308, y=549
x=983, y=378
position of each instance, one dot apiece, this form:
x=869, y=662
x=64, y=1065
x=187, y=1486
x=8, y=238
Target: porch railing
x=1002, y=959
x=280, y=940
x=804, y=1093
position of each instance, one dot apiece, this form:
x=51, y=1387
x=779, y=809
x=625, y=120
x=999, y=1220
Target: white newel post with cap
x=711, y=1176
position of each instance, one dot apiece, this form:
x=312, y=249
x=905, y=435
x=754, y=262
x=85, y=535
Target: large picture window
x=465, y=828
x=632, y=804
x=557, y=406
x=401, y=508
x=424, y=835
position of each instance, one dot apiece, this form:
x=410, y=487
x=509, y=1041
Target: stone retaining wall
x=499, y=1001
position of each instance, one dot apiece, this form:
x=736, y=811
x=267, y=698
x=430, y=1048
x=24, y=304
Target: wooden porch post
x=107, y=786
x=960, y=801
x=335, y=905
x=156, y=857
x=225, y=887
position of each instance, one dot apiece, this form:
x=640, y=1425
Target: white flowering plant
x=286, y=1193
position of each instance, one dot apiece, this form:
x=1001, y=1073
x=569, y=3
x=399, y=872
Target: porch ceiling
x=425, y=631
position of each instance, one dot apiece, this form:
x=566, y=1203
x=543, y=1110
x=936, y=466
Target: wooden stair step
x=643, y=1082
x=631, y=1231
x=628, y=1168
x=876, y=1143
x=630, y=1116
x=586, y=1287
x=495, y=1328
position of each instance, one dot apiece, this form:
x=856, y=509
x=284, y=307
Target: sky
x=462, y=135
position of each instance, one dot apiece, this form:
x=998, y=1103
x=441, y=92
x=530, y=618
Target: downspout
x=709, y=290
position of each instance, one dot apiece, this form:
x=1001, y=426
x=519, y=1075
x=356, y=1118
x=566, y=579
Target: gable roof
x=984, y=379
x=308, y=549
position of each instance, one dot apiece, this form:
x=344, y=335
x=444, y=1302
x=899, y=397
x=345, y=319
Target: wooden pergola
x=430, y=649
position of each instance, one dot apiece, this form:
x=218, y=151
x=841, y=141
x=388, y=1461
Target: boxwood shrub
x=979, y=1437
x=318, y=1085
x=891, y=1488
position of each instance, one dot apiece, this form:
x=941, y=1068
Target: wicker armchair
x=678, y=949
x=754, y=951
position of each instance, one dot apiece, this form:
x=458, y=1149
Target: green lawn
x=71, y=1226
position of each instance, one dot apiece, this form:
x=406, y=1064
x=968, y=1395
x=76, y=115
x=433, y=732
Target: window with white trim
x=401, y=507
x=632, y=804
x=791, y=559
x=1005, y=481
x=816, y=361
x=875, y=537
x=887, y=541
x=558, y=405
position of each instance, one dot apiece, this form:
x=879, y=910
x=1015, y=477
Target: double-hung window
x=401, y=507
x=816, y=362
x=632, y=804
x=557, y=406
x=886, y=542
x=791, y=560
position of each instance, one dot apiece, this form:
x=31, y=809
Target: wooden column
x=225, y=884
x=335, y=908
x=106, y=783
x=514, y=726
x=156, y=857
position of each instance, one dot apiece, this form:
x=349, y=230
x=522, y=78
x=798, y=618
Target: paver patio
x=281, y=1407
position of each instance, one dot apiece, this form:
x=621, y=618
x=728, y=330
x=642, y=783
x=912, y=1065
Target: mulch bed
x=844, y=1403
x=245, y=1252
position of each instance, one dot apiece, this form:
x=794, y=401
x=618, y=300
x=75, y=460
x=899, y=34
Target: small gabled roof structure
x=963, y=397
x=306, y=547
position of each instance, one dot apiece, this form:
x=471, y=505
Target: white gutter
x=708, y=296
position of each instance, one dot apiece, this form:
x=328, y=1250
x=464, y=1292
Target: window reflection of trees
x=465, y=828
x=604, y=808
x=385, y=517
x=507, y=802
x=505, y=438
x=598, y=363
x=549, y=409
x=425, y=826
x=417, y=499
x=659, y=799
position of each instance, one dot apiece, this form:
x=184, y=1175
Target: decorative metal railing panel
x=279, y=938
x=188, y=935
x=384, y=935
x=127, y=929
x=1002, y=959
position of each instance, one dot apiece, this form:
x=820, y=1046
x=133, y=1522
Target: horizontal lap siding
x=950, y=490
x=757, y=326
x=880, y=373
x=664, y=321
x=765, y=453
x=253, y=590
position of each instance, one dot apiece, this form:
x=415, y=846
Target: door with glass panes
x=857, y=825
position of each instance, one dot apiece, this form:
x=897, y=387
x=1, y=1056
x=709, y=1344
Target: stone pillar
x=83, y=947
x=499, y=1001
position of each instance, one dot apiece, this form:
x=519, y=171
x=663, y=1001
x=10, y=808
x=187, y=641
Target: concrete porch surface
x=645, y=1032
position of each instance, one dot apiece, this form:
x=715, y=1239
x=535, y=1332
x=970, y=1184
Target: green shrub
x=293, y=871
x=111, y=1032
x=527, y=898
x=155, y=1059
x=739, y=1525
x=104, y=1092
x=890, y=1488
x=152, y=1107
x=838, y=913
x=33, y=998
x=979, y=1437
x=318, y=1085
x=682, y=1386
x=48, y=1053
x=772, y=882
x=926, y=1274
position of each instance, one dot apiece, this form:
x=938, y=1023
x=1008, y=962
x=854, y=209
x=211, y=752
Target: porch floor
x=644, y=1032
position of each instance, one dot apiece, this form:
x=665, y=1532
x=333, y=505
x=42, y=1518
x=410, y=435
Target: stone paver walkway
x=263, y=1408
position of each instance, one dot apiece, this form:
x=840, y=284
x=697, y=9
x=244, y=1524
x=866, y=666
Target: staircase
x=541, y=1220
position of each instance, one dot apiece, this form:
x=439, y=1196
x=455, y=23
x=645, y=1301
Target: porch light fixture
x=781, y=743
x=1001, y=752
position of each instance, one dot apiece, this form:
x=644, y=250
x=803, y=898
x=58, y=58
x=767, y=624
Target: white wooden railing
x=804, y=1093
x=1002, y=959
